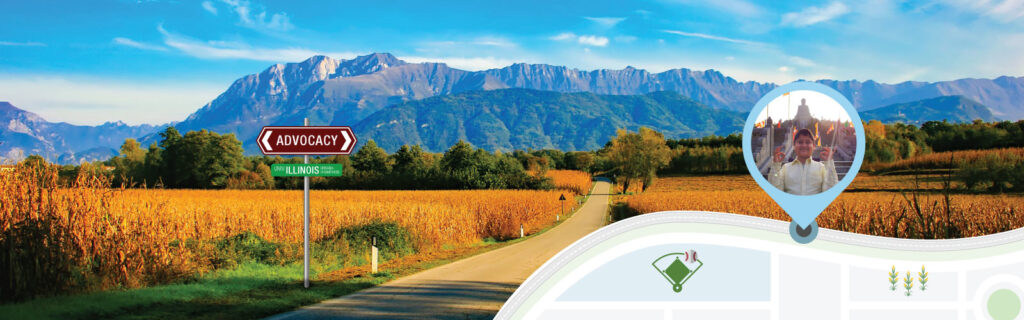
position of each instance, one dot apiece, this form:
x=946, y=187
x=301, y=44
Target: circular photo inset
x=804, y=142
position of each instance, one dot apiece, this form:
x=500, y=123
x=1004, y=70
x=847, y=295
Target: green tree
x=410, y=160
x=579, y=160
x=412, y=168
x=371, y=159
x=458, y=157
x=639, y=155
x=264, y=172
x=152, y=166
x=132, y=151
x=200, y=159
x=170, y=156
x=129, y=166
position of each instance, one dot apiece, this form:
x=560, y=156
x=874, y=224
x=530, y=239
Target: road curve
x=472, y=288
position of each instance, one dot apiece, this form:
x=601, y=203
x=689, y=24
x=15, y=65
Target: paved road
x=473, y=288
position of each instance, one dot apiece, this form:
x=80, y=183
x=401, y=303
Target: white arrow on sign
x=348, y=140
x=266, y=141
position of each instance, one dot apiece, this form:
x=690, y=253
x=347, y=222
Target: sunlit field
x=93, y=237
x=891, y=206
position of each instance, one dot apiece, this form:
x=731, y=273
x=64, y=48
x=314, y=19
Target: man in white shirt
x=803, y=176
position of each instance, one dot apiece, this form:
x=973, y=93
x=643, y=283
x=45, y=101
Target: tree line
x=204, y=159
x=208, y=160
x=897, y=141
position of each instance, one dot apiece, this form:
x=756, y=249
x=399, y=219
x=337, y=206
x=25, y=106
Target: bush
x=997, y=172
x=392, y=240
x=244, y=247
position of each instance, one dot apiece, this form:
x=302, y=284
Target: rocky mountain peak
x=367, y=64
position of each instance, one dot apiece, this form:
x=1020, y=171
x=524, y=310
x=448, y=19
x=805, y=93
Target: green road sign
x=305, y=170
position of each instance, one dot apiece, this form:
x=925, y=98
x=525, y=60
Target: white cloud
x=563, y=36
x=237, y=50
x=208, y=6
x=813, y=15
x=801, y=61
x=784, y=69
x=1008, y=10
x=606, y=22
x=1002, y=11
x=596, y=41
x=711, y=37
x=464, y=63
x=87, y=100
x=494, y=42
x=138, y=45
x=588, y=40
x=256, y=17
x=22, y=44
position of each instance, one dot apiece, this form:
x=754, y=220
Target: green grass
x=247, y=291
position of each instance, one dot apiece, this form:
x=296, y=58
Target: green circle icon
x=1003, y=304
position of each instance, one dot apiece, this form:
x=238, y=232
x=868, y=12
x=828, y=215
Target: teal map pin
x=774, y=149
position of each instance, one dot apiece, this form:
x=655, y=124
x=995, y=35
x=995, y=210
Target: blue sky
x=86, y=62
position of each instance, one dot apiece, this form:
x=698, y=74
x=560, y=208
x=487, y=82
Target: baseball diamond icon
x=678, y=267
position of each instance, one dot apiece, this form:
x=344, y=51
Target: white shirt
x=810, y=177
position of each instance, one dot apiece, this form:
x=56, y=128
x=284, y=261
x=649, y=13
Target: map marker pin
x=831, y=114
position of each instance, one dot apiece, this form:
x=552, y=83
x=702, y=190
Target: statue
x=803, y=118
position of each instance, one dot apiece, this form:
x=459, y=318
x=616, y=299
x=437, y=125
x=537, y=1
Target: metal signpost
x=306, y=140
x=562, y=199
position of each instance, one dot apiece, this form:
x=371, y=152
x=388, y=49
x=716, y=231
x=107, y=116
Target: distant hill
x=512, y=119
x=24, y=133
x=951, y=108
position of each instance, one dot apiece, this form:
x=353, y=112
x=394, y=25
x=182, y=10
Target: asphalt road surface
x=472, y=288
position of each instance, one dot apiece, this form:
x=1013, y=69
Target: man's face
x=804, y=145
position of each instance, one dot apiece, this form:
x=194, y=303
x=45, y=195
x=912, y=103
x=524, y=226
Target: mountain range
x=951, y=108
x=511, y=119
x=25, y=133
x=345, y=92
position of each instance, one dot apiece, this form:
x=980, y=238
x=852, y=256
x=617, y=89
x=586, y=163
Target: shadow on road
x=433, y=299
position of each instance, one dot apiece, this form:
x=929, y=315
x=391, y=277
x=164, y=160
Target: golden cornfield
x=942, y=159
x=881, y=213
x=435, y=218
x=578, y=182
x=134, y=237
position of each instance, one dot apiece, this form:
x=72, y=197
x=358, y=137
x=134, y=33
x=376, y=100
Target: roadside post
x=562, y=199
x=373, y=255
x=306, y=140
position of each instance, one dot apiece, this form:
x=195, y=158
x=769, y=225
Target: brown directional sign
x=306, y=140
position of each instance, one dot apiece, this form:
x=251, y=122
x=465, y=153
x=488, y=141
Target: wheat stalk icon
x=922, y=277
x=894, y=277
